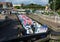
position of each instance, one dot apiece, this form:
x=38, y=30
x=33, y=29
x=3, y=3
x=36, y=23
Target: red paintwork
x=26, y=19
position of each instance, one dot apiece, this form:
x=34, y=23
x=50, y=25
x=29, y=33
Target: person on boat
x=33, y=26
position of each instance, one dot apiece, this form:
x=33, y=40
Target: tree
x=57, y=4
x=1, y=5
x=17, y=7
x=22, y=5
x=50, y=1
x=34, y=6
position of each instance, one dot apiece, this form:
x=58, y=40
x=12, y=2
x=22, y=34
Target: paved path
x=55, y=19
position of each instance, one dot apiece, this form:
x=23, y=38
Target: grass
x=58, y=12
x=51, y=13
x=54, y=41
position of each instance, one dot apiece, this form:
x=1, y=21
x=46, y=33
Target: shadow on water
x=8, y=29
